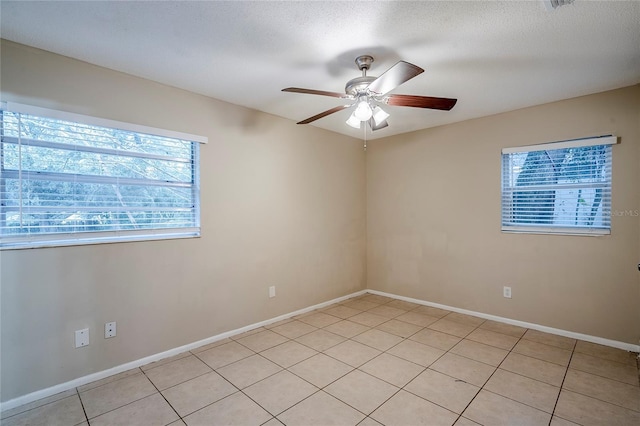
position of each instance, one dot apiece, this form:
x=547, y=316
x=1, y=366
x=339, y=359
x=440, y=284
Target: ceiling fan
x=367, y=92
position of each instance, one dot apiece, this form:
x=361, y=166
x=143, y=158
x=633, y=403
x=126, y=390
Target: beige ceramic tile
x=451, y=327
x=369, y=422
x=113, y=395
x=534, y=368
x=407, y=409
x=558, y=421
x=197, y=393
x=473, y=372
x=320, y=319
x=544, y=352
x=321, y=409
x=320, y=340
x=463, y=421
x=480, y=352
x=321, y=370
x=248, y=333
x=65, y=411
x=288, y=354
x=40, y=402
x=360, y=305
x=401, y=304
x=273, y=422
x=416, y=352
x=376, y=298
x=361, y=391
x=165, y=361
x=492, y=338
x=211, y=345
x=392, y=369
x=464, y=319
x=487, y=408
x=224, y=354
x=236, y=409
x=280, y=391
x=613, y=391
x=589, y=411
x=431, y=311
x=416, y=318
x=399, y=328
x=368, y=319
x=346, y=328
x=109, y=379
x=502, y=328
x=248, y=371
x=353, y=353
x=531, y=392
x=294, y=329
x=278, y=323
x=602, y=367
x=263, y=340
x=342, y=311
x=152, y=410
x=550, y=339
x=378, y=339
x=175, y=372
x=606, y=352
x=436, y=339
x=443, y=390
x=387, y=311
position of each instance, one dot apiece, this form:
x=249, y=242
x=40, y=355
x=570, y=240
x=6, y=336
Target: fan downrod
x=358, y=86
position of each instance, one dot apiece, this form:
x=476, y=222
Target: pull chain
x=365, y=136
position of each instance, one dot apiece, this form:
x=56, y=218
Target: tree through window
x=562, y=187
x=62, y=180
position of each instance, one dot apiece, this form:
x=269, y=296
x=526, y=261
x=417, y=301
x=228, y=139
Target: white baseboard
x=43, y=393
x=593, y=339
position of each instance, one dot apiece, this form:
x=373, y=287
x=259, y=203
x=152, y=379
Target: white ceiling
x=492, y=56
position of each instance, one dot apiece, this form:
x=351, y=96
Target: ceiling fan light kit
x=368, y=91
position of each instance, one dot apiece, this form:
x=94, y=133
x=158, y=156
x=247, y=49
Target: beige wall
x=433, y=221
x=282, y=205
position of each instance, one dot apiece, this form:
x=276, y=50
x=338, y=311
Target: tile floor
x=369, y=360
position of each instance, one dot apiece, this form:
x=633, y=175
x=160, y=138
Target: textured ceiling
x=492, y=56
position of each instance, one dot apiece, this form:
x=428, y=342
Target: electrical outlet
x=272, y=291
x=506, y=292
x=110, y=330
x=82, y=338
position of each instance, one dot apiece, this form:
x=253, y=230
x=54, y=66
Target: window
x=560, y=187
x=67, y=182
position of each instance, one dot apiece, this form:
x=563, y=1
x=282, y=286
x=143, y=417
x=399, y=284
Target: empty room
x=320, y=213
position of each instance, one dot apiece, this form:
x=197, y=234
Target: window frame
x=508, y=191
x=83, y=237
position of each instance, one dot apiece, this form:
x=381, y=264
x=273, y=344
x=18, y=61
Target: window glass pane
x=59, y=177
x=557, y=188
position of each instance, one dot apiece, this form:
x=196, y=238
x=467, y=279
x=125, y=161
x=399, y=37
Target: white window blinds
x=64, y=182
x=560, y=187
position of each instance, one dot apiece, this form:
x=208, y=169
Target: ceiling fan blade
x=373, y=126
x=394, y=77
x=421, y=102
x=315, y=92
x=323, y=114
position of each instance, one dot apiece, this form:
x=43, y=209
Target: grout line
x=83, y=409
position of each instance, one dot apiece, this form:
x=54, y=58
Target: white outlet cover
x=110, y=330
x=272, y=291
x=82, y=338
